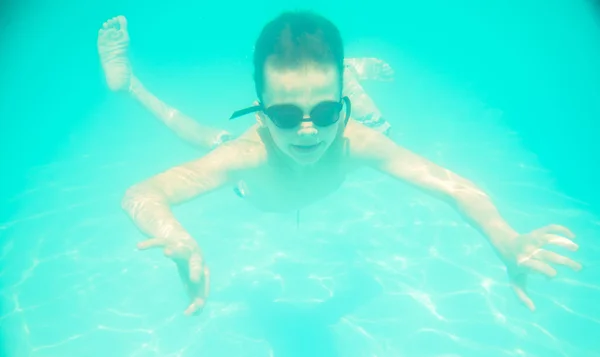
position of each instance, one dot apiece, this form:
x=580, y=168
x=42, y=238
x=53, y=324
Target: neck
x=301, y=169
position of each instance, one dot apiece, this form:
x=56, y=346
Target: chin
x=307, y=161
x=307, y=155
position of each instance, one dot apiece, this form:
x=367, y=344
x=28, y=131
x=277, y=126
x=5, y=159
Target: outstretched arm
x=521, y=253
x=148, y=204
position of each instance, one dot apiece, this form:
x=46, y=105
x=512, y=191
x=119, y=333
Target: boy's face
x=305, y=88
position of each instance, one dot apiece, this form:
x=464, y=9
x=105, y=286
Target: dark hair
x=295, y=38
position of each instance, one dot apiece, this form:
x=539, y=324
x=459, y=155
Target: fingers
x=561, y=242
x=541, y=259
x=550, y=235
x=556, y=235
x=206, y=282
x=195, y=307
x=195, y=267
x=558, y=259
x=556, y=229
x=170, y=250
x=518, y=287
x=151, y=243
x=537, y=266
x=199, y=294
x=194, y=275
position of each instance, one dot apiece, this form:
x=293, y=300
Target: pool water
x=376, y=269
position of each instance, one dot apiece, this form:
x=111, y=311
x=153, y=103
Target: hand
x=525, y=254
x=194, y=274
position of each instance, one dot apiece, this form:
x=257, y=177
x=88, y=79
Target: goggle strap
x=245, y=111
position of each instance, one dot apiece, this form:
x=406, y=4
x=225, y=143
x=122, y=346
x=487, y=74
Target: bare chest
x=274, y=190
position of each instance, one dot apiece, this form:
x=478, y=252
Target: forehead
x=304, y=86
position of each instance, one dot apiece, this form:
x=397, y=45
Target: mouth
x=306, y=149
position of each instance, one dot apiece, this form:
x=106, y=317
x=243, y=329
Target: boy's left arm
x=522, y=253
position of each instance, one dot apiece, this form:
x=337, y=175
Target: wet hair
x=294, y=39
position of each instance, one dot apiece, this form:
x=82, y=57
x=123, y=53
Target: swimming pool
x=377, y=269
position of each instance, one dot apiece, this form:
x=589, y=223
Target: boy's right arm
x=148, y=204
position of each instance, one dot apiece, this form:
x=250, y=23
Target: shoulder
x=227, y=163
x=366, y=144
x=245, y=152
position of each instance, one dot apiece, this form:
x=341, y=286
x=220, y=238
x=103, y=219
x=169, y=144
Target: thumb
x=151, y=243
x=519, y=286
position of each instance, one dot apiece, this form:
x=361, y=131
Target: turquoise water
x=505, y=94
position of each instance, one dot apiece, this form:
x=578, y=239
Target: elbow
x=130, y=196
x=136, y=196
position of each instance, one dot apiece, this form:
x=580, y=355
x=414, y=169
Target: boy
x=303, y=146
x=113, y=46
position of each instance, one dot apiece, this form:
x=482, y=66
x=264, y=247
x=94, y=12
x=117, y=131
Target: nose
x=307, y=128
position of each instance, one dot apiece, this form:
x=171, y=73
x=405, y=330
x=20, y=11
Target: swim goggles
x=288, y=116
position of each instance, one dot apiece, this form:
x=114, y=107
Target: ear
x=347, y=111
x=260, y=116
